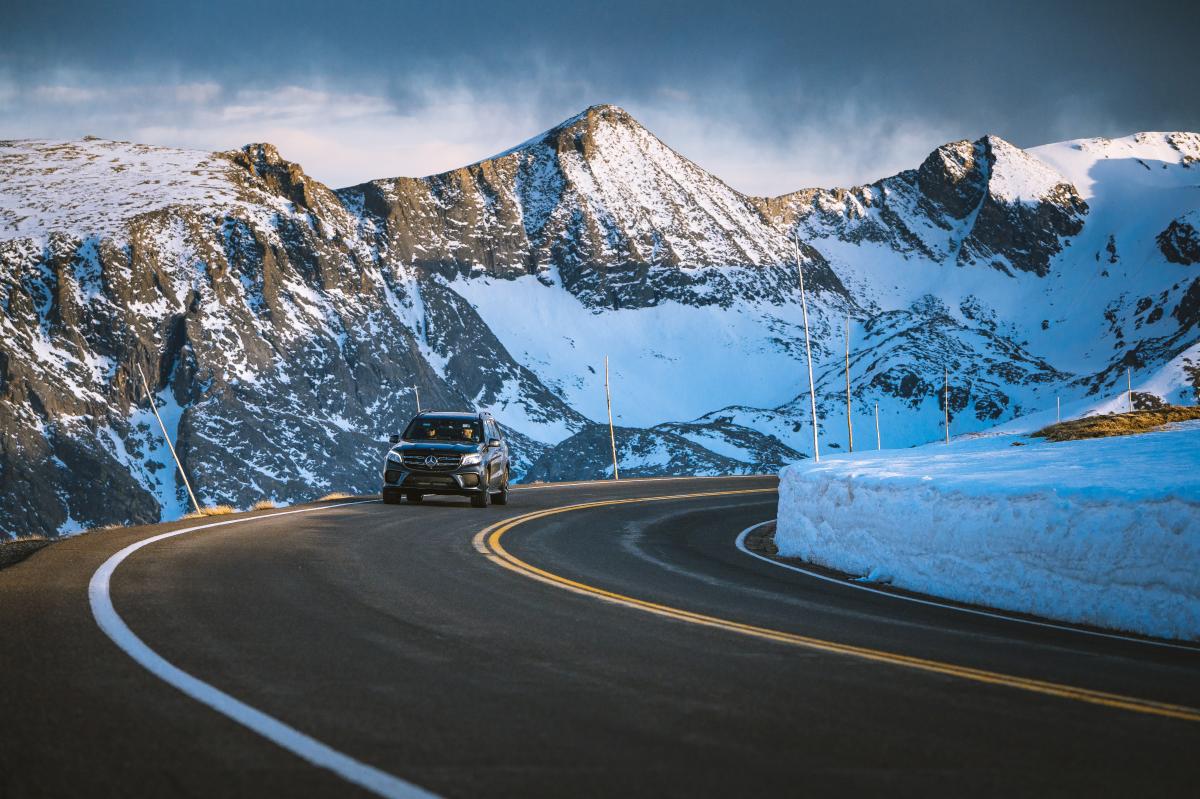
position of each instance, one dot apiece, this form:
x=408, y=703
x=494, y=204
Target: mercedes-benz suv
x=461, y=454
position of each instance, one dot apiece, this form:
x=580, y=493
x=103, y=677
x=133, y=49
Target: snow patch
x=1017, y=176
x=1074, y=531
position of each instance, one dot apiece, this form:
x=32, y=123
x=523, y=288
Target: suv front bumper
x=465, y=481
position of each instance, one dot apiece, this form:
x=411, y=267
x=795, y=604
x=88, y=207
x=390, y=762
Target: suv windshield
x=463, y=430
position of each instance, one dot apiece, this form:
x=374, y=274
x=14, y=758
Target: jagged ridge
x=283, y=326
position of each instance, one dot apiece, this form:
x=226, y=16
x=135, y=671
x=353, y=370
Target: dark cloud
x=1031, y=72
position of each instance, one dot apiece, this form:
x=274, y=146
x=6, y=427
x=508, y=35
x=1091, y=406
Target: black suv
x=461, y=454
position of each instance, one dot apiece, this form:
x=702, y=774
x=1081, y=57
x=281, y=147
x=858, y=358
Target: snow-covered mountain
x=283, y=326
x=597, y=206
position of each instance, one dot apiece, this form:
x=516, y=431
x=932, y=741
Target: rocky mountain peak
x=955, y=175
x=575, y=134
x=1016, y=176
x=264, y=155
x=600, y=113
x=280, y=176
x=583, y=133
x=597, y=203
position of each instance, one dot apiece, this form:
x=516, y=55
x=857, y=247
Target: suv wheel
x=501, y=497
x=391, y=499
x=481, y=499
x=414, y=496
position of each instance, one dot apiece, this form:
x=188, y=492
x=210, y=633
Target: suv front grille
x=420, y=462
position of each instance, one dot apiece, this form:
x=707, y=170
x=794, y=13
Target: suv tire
x=501, y=497
x=414, y=496
x=481, y=499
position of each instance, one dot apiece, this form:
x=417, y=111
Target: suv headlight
x=472, y=459
x=394, y=457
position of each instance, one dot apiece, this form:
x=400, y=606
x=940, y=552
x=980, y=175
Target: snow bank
x=1103, y=532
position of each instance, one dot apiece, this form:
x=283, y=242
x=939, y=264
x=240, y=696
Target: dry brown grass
x=16, y=550
x=211, y=510
x=1118, y=424
x=336, y=495
x=263, y=504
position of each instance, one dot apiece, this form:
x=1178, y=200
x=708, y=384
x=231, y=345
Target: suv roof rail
x=456, y=413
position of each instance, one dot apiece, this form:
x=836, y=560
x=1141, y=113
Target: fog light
x=391, y=476
x=470, y=480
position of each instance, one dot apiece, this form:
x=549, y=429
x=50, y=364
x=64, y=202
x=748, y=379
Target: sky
x=769, y=96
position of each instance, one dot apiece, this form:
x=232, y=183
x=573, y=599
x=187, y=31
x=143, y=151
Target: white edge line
x=741, y=544
x=274, y=730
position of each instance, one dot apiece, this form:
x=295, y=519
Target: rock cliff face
x=983, y=202
x=598, y=206
x=281, y=348
x=283, y=328
x=1180, y=242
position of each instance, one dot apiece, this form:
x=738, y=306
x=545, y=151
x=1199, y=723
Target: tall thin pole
x=170, y=446
x=812, y=388
x=612, y=437
x=947, y=404
x=417, y=391
x=1058, y=409
x=878, y=440
x=1129, y=385
x=849, y=418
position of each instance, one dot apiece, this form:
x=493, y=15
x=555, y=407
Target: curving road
x=621, y=649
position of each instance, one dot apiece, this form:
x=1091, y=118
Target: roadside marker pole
x=1129, y=385
x=878, y=440
x=849, y=418
x=170, y=446
x=947, y=403
x=612, y=437
x=1058, y=409
x=417, y=391
x=812, y=388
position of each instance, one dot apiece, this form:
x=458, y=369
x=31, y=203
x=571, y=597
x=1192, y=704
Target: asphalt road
x=387, y=634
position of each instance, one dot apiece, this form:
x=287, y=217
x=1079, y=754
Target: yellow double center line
x=487, y=542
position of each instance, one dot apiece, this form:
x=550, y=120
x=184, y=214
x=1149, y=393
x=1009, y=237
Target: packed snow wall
x=1102, y=532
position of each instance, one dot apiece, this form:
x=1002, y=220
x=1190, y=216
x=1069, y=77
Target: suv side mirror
x=493, y=443
x=394, y=438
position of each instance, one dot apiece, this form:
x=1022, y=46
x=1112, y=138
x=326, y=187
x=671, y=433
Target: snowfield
x=1103, y=532
x=670, y=362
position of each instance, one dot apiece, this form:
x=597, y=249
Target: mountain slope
x=983, y=202
x=598, y=206
x=283, y=327
x=281, y=348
